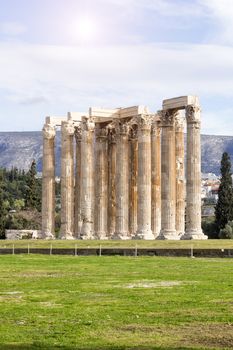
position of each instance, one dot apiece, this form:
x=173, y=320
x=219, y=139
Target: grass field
x=115, y=303
x=204, y=244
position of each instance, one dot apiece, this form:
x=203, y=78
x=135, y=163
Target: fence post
x=75, y=250
x=192, y=251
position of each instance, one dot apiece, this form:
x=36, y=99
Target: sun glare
x=86, y=29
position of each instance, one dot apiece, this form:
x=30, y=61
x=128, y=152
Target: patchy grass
x=206, y=244
x=115, y=303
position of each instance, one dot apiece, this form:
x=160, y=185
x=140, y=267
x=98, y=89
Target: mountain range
x=20, y=148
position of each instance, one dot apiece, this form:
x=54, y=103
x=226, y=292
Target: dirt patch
x=40, y=274
x=145, y=284
x=209, y=335
x=49, y=304
x=133, y=328
x=206, y=336
x=11, y=293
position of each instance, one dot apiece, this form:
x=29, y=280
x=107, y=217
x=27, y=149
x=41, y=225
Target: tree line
x=19, y=191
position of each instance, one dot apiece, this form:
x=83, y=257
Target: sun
x=86, y=29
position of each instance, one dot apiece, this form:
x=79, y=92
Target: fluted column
x=122, y=183
x=156, y=178
x=168, y=177
x=193, y=185
x=133, y=174
x=144, y=179
x=111, y=182
x=77, y=194
x=180, y=180
x=67, y=180
x=48, y=183
x=87, y=179
x=101, y=182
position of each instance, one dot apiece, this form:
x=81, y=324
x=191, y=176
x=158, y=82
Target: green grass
x=206, y=244
x=115, y=303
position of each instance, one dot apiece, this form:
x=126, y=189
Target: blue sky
x=66, y=55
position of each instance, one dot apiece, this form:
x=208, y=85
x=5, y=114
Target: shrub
x=226, y=232
x=210, y=228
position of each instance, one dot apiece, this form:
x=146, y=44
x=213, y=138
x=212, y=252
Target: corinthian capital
x=112, y=136
x=101, y=132
x=121, y=127
x=88, y=124
x=78, y=132
x=133, y=133
x=49, y=131
x=67, y=128
x=144, y=122
x=167, y=117
x=193, y=114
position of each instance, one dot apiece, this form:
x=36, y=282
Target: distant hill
x=20, y=148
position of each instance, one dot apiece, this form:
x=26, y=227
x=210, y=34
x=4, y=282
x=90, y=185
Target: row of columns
x=128, y=182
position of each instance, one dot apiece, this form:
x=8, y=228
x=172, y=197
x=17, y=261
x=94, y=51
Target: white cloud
x=221, y=13
x=74, y=78
x=163, y=7
x=12, y=28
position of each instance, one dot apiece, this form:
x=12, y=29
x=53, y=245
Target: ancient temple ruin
x=125, y=177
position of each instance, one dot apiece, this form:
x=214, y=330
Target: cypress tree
x=2, y=211
x=31, y=197
x=224, y=206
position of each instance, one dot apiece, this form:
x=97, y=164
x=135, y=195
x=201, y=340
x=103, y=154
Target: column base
x=87, y=238
x=101, y=236
x=77, y=236
x=194, y=234
x=48, y=235
x=155, y=234
x=121, y=236
x=78, y=230
x=67, y=236
x=168, y=235
x=87, y=231
x=144, y=234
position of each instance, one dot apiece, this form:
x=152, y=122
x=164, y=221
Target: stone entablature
x=127, y=180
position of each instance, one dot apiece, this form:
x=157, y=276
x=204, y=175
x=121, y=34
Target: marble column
x=77, y=194
x=122, y=182
x=168, y=177
x=144, y=179
x=87, y=179
x=67, y=180
x=180, y=177
x=101, y=182
x=48, y=183
x=156, y=178
x=193, y=185
x=111, y=182
x=133, y=162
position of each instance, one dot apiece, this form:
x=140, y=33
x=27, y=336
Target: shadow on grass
x=40, y=346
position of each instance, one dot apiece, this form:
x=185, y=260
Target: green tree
x=224, y=206
x=209, y=228
x=3, y=214
x=32, y=196
x=227, y=231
